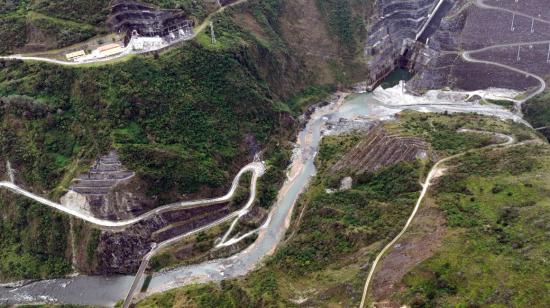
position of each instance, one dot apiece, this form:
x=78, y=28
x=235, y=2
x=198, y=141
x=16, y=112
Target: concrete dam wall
x=393, y=23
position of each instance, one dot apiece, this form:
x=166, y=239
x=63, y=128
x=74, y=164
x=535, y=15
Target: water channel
x=105, y=291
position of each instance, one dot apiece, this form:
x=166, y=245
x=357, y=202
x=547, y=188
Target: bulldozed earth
x=507, y=44
x=476, y=45
x=110, y=191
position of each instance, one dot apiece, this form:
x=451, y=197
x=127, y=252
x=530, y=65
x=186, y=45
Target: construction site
x=140, y=28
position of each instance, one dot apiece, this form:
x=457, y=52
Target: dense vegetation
x=322, y=261
x=12, y=33
x=33, y=240
x=84, y=11
x=342, y=23
x=441, y=130
x=322, y=257
x=178, y=121
x=48, y=24
x=497, y=208
x=537, y=112
x=185, y=120
x=335, y=225
x=9, y=5
x=267, y=189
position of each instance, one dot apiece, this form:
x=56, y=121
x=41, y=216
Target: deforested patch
x=104, y=191
x=380, y=148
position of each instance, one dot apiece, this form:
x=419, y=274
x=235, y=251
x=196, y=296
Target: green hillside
x=334, y=237
x=186, y=120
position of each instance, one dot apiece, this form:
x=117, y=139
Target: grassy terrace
x=325, y=257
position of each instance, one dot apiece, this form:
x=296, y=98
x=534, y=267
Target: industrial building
x=72, y=56
x=109, y=50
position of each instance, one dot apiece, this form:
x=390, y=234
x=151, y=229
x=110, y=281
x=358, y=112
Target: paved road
x=256, y=168
x=481, y=4
x=197, y=30
x=425, y=186
x=59, y=62
x=258, y=171
x=467, y=55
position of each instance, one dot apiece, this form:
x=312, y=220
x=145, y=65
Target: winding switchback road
x=257, y=172
x=256, y=168
x=468, y=55
x=483, y=5
x=434, y=172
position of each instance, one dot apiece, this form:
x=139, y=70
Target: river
x=105, y=291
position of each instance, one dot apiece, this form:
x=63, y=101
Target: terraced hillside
x=184, y=121
x=42, y=25
x=108, y=191
x=379, y=149
x=393, y=22
x=128, y=16
x=497, y=42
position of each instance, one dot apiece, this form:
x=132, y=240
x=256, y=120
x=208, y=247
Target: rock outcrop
x=469, y=27
x=393, y=22
x=147, y=20
x=108, y=191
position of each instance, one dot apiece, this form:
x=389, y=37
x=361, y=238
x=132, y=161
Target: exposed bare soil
x=471, y=27
x=420, y=243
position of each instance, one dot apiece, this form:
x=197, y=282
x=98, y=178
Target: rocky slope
x=183, y=121
x=108, y=191
x=393, y=22
x=471, y=27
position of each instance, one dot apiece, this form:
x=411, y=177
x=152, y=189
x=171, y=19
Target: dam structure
x=395, y=33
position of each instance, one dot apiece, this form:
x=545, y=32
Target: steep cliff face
x=392, y=23
x=493, y=27
x=108, y=191
x=183, y=121
x=314, y=41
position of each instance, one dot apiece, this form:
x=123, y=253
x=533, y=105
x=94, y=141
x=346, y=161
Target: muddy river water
x=105, y=291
